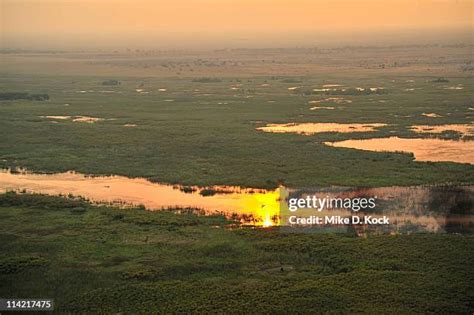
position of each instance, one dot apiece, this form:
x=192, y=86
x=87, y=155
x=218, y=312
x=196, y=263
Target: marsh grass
x=111, y=260
x=188, y=143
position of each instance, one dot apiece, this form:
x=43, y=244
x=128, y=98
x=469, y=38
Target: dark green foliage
x=207, y=192
x=208, y=137
x=111, y=260
x=187, y=189
x=17, y=264
x=111, y=82
x=10, y=96
x=291, y=80
x=440, y=80
x=207, y=80
x=41, y=201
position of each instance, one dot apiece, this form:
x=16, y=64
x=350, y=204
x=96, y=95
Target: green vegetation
x=208, y=137
x=199, y=127
x=207, y=80
x=111, y=260
x=10, y=96
x=193, y=122
x=291, y=80
x=440, y=80
x=111, y=82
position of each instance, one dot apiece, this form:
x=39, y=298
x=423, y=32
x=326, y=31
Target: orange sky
x=127, y=18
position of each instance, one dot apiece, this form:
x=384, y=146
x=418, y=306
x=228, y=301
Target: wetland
x=151, y=176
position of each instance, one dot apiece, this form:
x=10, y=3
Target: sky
x=178, y=23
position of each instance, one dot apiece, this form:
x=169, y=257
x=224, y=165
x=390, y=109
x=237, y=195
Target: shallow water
x=83, y=119
x=263, y=205
x=432, y=115
x=464, y=129
x=87, y=119
x=56, y=117
x=337, y=100
x=322, y=107
x=313, y=128
x=410, y=209
x=419, y=208
x=456, y=87
x=435, y=150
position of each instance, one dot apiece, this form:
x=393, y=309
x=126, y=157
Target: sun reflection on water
x=264, y=207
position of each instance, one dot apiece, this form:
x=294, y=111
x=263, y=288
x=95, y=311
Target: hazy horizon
x=203, y=24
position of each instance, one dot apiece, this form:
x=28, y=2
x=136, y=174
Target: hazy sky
x=175, y=22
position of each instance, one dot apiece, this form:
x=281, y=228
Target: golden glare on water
x=254, y=206
x=434, y=150
x=313, y=128
x=264, y=206
x=463, y=129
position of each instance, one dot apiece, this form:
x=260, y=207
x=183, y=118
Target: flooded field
x=270, y=157
x=336, y=100
x=322, y=107
x=56, y=117
x=463, y=129
x=434, y=150
x=431, y=115
x=409, y=208
x=255, y=205
x=195, y=126
x=313, y=128
x=82, y=119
